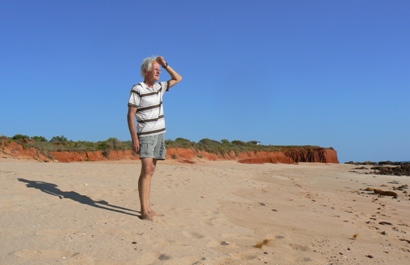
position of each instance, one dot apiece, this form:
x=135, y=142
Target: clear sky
x=327, y=73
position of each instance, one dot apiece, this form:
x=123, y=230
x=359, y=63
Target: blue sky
x=327, y=73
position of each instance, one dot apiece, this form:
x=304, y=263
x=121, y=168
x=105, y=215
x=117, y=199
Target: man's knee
x=148, y=168
x=147, y=173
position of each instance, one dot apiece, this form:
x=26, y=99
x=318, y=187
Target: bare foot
x=147, y=216
x=153, y=213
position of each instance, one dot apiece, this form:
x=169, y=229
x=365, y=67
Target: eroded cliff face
x=288, y=156
x=296, y=155
x=12, y=149
x=312, y=154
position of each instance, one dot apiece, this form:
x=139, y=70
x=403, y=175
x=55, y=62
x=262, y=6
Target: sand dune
x=214, y=213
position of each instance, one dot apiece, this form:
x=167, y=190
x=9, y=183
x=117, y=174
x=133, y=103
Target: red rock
x=15, y=150
x=312, y=154
x=269, y=157
x=288, y=156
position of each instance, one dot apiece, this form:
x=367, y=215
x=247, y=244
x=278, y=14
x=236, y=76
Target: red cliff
x=287, y=156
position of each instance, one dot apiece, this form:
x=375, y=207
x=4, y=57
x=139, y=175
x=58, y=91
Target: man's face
x=155, y=72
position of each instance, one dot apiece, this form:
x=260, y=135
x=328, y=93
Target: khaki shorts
x=153, y=146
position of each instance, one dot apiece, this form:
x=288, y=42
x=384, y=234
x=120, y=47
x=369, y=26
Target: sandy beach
x=219, y=212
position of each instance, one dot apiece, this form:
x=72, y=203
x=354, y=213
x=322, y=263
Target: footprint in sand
x=192, y=235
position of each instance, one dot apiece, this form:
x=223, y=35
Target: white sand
x=215, y=213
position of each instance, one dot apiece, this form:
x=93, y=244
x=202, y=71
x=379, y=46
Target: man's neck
x=149, y=83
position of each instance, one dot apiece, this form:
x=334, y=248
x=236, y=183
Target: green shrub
x=59, y=139
x=20, y=137
x=238, y=142
x=39, y=139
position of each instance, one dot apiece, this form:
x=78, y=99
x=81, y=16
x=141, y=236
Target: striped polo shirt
x=150, y=111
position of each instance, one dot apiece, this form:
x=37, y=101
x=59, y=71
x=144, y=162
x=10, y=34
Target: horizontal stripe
x=132, y=105
x=150, y=107
x=136, y=92
x=146, y=94
x=151, y=120
x=151, y=94
x=152, y=132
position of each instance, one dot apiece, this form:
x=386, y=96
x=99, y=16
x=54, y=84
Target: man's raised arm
x=175, y=77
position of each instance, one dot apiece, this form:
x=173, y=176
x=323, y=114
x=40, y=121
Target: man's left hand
x=161, y=61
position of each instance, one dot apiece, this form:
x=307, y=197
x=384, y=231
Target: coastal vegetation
x=61, y=143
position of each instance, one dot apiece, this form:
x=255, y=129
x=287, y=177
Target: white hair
x=147, y=64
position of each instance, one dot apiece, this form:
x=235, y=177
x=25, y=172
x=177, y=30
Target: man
x=145, y=105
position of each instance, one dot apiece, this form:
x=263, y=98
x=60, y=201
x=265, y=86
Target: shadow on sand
x=51, y=189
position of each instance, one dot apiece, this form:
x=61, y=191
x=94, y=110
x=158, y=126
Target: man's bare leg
x=144, y=187
x=150, y=210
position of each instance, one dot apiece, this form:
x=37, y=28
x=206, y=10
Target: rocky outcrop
x=184, y=155
x=296, y=155
x=13, y=149
x=312, y=154
x=402, y=169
